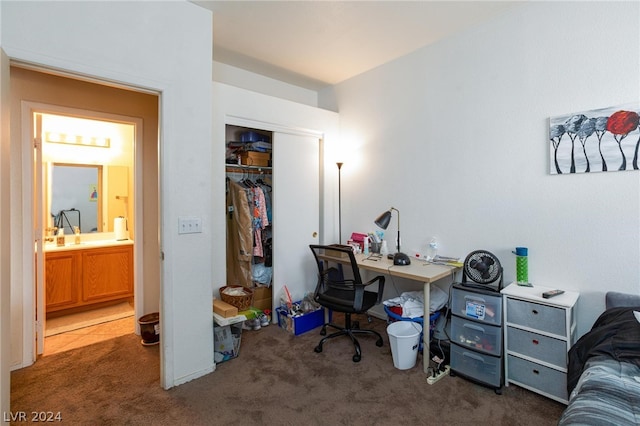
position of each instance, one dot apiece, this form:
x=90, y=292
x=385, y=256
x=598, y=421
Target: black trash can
x=150, y=328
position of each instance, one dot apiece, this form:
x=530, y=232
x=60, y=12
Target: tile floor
x=88, y=335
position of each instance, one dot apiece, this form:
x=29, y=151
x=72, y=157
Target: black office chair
x=346, y=295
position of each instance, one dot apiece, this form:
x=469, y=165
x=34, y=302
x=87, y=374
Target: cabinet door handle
x=535, y=341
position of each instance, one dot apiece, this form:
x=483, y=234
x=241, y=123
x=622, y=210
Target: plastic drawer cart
x=476, y=335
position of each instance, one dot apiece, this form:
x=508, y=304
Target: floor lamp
x=339, y=204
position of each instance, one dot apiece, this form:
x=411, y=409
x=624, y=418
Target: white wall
x=165, y=47
x=248, y=80
x=455, y=136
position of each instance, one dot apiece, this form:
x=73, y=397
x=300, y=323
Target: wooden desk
x=418, y=270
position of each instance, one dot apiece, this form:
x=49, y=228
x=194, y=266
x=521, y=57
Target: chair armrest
x=360, y=290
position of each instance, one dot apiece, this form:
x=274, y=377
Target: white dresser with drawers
x=538, y=335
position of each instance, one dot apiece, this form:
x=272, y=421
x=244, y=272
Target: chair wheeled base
x=350, y=329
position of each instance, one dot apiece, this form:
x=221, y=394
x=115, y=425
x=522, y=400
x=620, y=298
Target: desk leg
x=425, y=331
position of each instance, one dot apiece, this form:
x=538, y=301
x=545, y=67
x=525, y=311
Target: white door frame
x=33, y=330
x=38, y=230
x=5, y=233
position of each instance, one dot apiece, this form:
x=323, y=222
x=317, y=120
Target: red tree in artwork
x=620, y=124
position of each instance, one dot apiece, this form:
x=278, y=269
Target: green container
x=522, y=269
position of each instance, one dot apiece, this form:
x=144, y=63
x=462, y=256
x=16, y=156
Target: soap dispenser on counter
x=76, y=232
x=60, y=237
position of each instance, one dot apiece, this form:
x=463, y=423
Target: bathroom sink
x=49, y=246
x=105, y=242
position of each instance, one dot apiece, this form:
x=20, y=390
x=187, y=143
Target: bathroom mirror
x=75, y=197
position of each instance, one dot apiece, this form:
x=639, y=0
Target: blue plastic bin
x=302, y=323
x=432, y=322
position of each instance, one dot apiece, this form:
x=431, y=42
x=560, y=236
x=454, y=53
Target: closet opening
x=268, y=239
x=249, y=218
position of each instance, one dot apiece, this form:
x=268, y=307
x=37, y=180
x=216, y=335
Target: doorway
x=36, y=90
x=87, y=165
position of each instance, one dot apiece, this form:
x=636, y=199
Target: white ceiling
x=315, y=43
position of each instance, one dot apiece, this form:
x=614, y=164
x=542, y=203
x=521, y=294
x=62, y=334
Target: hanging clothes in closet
x=239, y=235
x=262, y=270
x=248, y=233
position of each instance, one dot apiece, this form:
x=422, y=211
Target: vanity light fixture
x=99, y=142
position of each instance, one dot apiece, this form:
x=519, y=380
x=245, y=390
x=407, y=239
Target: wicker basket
x=242, y=302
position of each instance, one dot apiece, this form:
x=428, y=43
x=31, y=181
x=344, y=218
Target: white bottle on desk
x=432, y=249
x=384, y=250
x=365, y=243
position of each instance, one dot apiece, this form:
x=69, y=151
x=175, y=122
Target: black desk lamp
x=383, y=222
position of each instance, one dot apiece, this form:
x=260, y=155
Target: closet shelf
x=244, y=168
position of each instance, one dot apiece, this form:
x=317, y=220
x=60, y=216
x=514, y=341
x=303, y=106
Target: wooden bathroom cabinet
x=88, y=276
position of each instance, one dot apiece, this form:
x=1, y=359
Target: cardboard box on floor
x=262, y=298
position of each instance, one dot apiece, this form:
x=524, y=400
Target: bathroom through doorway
x=46, y=93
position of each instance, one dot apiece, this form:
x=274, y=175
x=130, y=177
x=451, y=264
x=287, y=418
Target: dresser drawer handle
x=536, y=372
x=535, y=341
x=473, y=327
x=534, y=312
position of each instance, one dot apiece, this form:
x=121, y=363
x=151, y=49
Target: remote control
x=551, y=293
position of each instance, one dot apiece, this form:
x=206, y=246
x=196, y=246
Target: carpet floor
x=276, y=379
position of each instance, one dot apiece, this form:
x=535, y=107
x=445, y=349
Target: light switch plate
x=189, y=225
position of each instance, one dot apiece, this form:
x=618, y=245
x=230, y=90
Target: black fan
x=483, y=268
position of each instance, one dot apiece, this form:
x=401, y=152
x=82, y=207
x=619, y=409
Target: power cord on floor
x=437, y=368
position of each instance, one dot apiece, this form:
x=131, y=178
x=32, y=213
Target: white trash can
x=404, y=339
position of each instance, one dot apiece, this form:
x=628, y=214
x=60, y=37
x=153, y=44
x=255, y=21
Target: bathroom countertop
x=84, y=244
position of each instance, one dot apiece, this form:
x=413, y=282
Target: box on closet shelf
x=253, y=158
